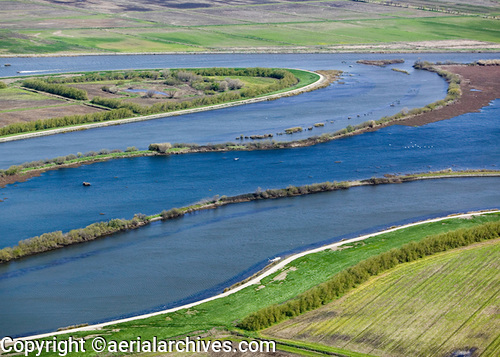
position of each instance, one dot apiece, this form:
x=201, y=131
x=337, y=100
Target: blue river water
x=179, y=261
x=197, y=256
x=368, y=91
x=120, y=188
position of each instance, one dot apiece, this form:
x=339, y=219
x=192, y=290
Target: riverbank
x=479, y=85
x=321, y=81
x=110, y=329
x=57, y=240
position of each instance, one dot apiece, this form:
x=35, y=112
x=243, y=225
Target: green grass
x=372, y=31
x=313, y=349
x=311, y=270
x=14, y=93
x=430, y=307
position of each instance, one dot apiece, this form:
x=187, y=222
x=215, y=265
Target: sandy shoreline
x=256, y=279
x=480, y=86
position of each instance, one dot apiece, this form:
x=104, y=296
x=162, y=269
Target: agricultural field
x=432, y=307
x=48, y=26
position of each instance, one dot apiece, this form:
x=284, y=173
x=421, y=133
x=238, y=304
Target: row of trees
x=68, y=120
x=352, y=277
x=250, y=72
x=54, y=88
x=107, y=76
x=55, y=240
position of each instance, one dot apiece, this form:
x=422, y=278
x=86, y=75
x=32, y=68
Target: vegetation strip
x=354, y=276
x=212, y=312
x=57, y=240
x=434, y=306
x=296, y=81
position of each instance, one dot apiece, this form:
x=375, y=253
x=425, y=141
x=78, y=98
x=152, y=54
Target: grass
x=14, y=93
x=307, y=25
x=429, y=307
x=311, y=270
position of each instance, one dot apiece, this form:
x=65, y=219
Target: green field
x=147, y=26
x=431, y=307
x=302, y=274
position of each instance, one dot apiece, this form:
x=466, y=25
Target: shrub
x=162, y=148
x=13, y=170
x=59, y=89
x=54, y=240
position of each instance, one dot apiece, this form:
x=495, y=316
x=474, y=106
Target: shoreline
x=477, y=92
x=55, y=240
x=479, y=85
x=322, y=81
x=256, y=279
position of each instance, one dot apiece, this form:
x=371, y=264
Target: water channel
x=197, y=256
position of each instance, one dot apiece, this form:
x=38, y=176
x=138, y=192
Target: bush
x=13, y=170
x=161, y=148
x=59, y=89
x=2, y=85
x=55, y=240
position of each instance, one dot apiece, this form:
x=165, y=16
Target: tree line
x=352, y=277
x=55, y=240
x=54, y=88
x=42, y=124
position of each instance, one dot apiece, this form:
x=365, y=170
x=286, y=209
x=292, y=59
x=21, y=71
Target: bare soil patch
x=44, y=113
x=480, y=85
x=11, y=104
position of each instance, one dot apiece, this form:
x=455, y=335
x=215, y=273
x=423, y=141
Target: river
x=197, y=256
x=368, y=91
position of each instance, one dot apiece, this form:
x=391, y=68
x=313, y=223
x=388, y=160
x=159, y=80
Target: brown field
x=180, y=18
x=12, y=104
x=44, y=113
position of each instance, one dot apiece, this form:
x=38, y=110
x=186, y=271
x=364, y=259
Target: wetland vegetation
x=404, y=260
x=126, y=94
x=56, y=240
